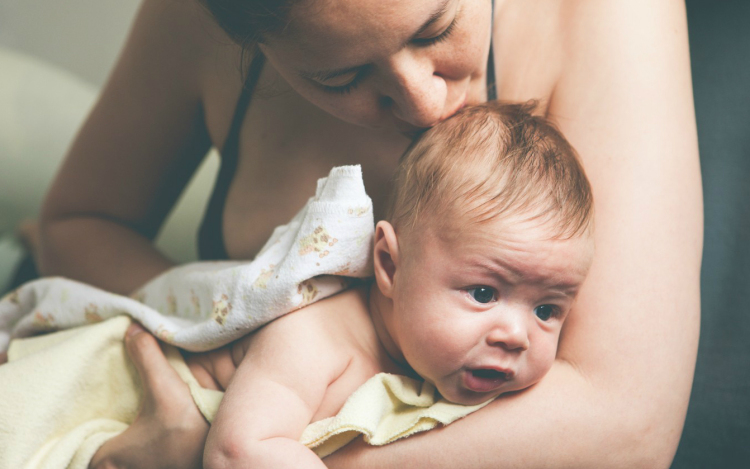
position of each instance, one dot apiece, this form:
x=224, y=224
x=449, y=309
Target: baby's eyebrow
x=569, y=290
x=510, y=275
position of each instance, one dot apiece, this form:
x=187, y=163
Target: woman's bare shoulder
x=180, y=36
x=542, y=45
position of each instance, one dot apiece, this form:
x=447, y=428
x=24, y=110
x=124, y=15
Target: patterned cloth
x=204, y=305
x=64, y=394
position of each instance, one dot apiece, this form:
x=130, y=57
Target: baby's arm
x=273, y=396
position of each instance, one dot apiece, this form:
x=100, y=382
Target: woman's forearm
x=136, y=151
x=99, y=252
x=564, y=421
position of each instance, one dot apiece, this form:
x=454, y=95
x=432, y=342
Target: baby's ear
x=386, y=257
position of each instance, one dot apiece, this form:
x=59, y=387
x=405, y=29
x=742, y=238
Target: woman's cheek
x=356, y=107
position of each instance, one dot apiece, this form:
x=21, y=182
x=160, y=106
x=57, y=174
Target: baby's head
x=487, y=241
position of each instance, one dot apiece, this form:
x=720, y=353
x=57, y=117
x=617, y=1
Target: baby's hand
x=169, y=431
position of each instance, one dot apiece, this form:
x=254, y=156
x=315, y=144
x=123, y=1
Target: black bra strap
x=491, y=86
x=211, y=235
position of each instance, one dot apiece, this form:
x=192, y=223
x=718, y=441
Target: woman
x=348, y=81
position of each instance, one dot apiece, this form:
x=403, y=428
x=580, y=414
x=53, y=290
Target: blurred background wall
x=717, y=429
x=54, y=57
x=81, y=36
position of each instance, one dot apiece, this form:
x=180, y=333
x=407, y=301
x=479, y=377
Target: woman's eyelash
x=440, y=37
x=344, y=89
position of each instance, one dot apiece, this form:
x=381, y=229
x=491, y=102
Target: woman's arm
x=618, y=394
x=136, y=151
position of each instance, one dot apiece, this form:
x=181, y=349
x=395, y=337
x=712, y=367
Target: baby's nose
x=510, y=332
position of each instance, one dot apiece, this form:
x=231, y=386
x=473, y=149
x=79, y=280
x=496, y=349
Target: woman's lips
x=461, y=105
x=484, y=380
x=411, y=129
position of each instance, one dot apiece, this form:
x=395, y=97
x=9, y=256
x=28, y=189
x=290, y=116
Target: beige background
x=81, y=36
x=54, y=57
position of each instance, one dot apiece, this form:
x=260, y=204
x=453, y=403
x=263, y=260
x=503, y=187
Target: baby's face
x=480, y=314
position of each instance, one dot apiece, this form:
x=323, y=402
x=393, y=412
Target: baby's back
x=342, y=322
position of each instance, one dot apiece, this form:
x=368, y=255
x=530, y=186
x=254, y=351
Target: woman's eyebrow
x=325, y=75
x=436, y=15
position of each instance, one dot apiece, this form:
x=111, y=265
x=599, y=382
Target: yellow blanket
x=63, y=395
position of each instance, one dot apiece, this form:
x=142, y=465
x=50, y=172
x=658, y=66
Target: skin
x=614, y=76
x=452, y=305
x=298, y=369
x=392, y=86
x=438, y=326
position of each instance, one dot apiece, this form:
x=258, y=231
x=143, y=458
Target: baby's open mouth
x=487, y=373
x=486, y=379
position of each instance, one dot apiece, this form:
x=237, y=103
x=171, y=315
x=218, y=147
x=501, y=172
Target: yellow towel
x=62, y=395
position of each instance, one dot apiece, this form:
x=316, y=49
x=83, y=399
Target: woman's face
x=390, y=64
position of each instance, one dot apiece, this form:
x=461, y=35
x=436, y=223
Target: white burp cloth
x=204, y=305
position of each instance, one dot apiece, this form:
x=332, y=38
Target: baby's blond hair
x=488, y=161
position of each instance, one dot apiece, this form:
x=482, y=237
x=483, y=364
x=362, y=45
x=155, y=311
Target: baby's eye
x=482, y=294
x=544, y=312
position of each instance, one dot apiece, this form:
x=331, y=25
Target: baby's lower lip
x=484, y=380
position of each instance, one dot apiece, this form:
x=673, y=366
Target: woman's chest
x=285, y=145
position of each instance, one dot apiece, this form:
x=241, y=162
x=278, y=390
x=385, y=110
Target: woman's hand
x=169, y=431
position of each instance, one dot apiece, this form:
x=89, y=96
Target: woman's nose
x=510, y=332
x=415, y=93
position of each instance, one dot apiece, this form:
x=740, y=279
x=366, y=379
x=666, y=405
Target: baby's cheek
x=543, y=359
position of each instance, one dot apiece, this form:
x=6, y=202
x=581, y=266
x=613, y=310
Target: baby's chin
x=469, y=398
x=463, y=396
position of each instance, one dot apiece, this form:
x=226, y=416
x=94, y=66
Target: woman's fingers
x=148, y=358
x=169, y=431
x=166, y=397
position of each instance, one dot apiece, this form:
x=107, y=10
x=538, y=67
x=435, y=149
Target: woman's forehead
x=336, y=26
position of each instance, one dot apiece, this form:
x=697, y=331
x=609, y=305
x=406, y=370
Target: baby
x=486, y=243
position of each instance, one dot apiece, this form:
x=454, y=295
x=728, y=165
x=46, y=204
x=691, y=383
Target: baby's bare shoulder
x=329, y=314
x=328, y=329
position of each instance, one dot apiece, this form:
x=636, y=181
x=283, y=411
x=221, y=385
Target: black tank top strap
x=491, y=85
x=211, y=235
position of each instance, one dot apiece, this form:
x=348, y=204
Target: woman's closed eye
x=342, y=89
x=482, y=294
x=442, y=36
x=343, y=84
x=347, y=83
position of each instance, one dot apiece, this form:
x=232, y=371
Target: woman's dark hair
x=247, y=21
